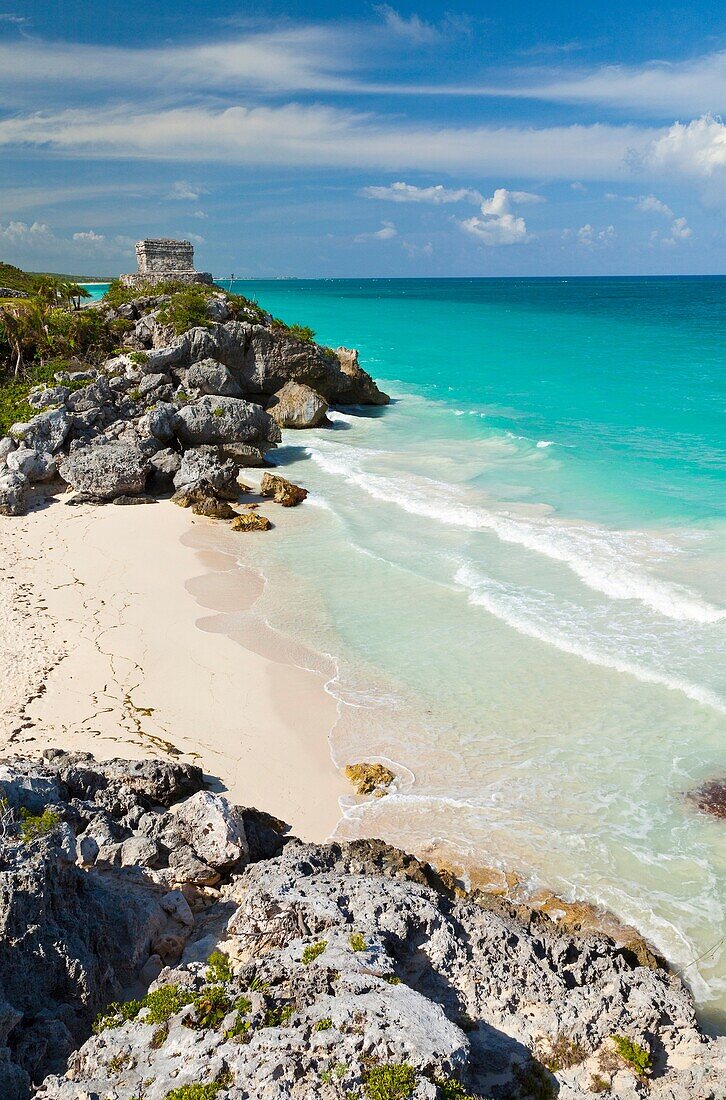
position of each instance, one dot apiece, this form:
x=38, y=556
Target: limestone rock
x=214, y=830
x=251, y=521
x=282, y=491
x=211, y=377
x=214, y=509
x=7, y=445
x=710, y=797
x=369, y=778
x=106, y=471
x=299, y=406
x=225, y=420
x=206, y=464
x=31, y=464
x=163, y=466
x=46, y=432
x=13, y=494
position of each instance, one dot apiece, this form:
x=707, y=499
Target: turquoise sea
x=517, y=572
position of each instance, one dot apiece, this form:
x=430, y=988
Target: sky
x=291, y=139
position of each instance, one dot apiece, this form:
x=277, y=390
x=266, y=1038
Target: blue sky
x=293, y=139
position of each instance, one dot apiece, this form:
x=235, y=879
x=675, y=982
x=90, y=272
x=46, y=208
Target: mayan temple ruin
x=162, y=259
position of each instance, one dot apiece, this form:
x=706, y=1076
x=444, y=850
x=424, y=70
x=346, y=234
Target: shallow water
x=518, y=568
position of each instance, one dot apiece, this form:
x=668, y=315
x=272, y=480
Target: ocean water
x=517, y=571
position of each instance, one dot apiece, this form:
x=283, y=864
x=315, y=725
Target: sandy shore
x=114, y=639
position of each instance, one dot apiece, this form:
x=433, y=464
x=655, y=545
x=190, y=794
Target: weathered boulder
x=162, y=467
x=159, y=421
x=275, y=357
x=7, y=444
x=13, y=494
x=47, y=431
x=45, y=397
x=369, y=778
x=298, y=406
x=203, y=500
x=31, y=464
x=251, y=521
x=213, y=508
x=214, y=830
x=211, y=377
x=106, y=471
x=206, y=464
x=282, y=491
x=225, y=420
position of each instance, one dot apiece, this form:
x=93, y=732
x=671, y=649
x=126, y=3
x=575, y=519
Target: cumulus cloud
x=385, y=233
x=413, y=251
x=89, y=236
x=15, y=232
x=697, y=148
x=183, y=191
x=680, y=231
x=589, y=237
x=30, y=239
x=499, y=225
x=649, y=204
x=577, y=186
x=408, y=192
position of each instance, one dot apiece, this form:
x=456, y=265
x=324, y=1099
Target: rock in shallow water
x=251, y=521
x=282, y=491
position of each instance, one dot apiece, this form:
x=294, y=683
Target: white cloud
x=320, y=136
x=408, y=192
x=16, y=232
x=199, y=214
x=697, y=148
x=499, y=226
x=386, y=233
x=649, y=204
x=588, y=237
x=196, y=239
x=413, y=28
x=415, y=250
x=680, y=231
x=183, y=191
x=90, y=237
x=577, y=186
x=664, y=88
x=502, y=200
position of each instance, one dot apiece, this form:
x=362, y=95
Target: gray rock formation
x=209, y=376
x=297, y=406
x=106, y=471
x=207, y=464
x=14, y=489
x=225, y=420
x=345, y=968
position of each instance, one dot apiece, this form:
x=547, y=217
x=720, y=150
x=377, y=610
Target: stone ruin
x=162, y=259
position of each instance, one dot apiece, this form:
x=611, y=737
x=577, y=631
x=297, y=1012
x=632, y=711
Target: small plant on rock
x=533, y=1082
x=165, y=1002
x=277, y=1016
x=218, y=967
x=116, y=1014
x=195, y=1092
x=635, y=1056
x=599, y=1084
x=33, y=826
x=211, y=1005
x=139, y=357
x=450, y=1089
x=324, y=1025
x=562, y=1052
x=312, y=951
x=389, y=1082
x=159, y=1037
x=357, y=942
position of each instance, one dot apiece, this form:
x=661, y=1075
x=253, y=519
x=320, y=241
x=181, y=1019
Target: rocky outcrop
x=251, y=521
x=369, y=778
x=297, y=406
x=710, y=797
x=282, y=491
x=225, y=420
x=106, y=471
x=286, y=971
x=167, y=395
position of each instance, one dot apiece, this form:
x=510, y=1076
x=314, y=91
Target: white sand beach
x=101, y=651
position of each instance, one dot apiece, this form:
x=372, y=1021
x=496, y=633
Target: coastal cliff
x=158, y=941
x=198, y=389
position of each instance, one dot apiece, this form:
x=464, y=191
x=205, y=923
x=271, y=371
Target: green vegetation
x=312, y=951
x=389, y=1082
x=211, y=1006
x=159, y=1037
x=324, y=1025
x=162, y=1004
x=599, y=1084
x=450, y=1089
x=637, y=1057
x=187, y=308
x=562, y=1053
x=218, y=967
x=391, y=979
x=357, y=942
x=299, y=332
x=277, y=1016
x=14, y=391
x=196, y=1092
x=139, y=357
x=33, y=826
